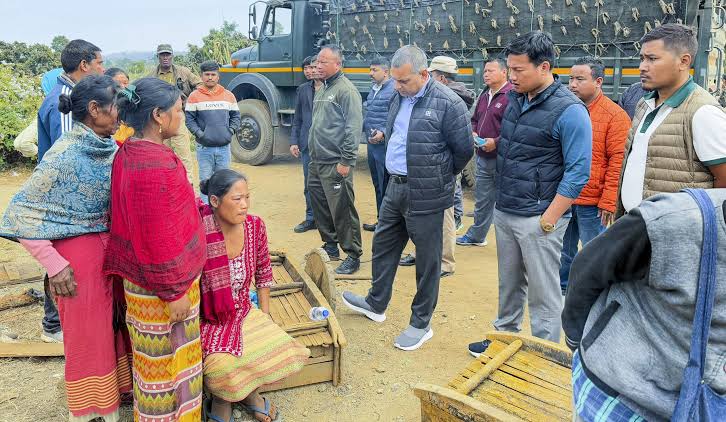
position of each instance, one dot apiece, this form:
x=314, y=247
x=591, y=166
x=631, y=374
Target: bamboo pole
x=490, y=367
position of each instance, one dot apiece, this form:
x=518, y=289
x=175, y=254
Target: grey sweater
x=630, y=304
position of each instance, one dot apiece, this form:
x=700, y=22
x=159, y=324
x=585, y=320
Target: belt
x=395, y=178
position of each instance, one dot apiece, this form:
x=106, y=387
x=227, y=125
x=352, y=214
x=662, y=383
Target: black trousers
x=333, y=201
x=395, y=227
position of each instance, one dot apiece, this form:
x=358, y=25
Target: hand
x=548, y=219
x=63, y=284
x=179, y=310
x=295, y=151
x=342, y=170
x=376, y=138
x=606, y=217
x=490, y=145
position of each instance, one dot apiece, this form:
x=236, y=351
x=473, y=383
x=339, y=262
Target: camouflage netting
x=468, y=29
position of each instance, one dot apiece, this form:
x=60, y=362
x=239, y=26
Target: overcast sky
x=115, y=26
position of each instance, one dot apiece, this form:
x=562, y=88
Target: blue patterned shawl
x=68, y=193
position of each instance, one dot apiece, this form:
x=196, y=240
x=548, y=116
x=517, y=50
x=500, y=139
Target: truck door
x=275, y=54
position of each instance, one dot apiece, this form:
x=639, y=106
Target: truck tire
x=253, y=143
x=468, y=175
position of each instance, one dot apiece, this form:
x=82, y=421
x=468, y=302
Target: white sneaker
x=359, y=304
x=52, y=337
x=413, y=338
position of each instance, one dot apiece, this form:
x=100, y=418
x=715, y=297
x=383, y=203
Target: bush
x=20, y=98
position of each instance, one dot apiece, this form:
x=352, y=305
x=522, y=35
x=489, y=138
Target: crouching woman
x=243, y=348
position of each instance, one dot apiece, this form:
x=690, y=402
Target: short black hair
x=112, y=72
x=597, y=67
x=381, y=62
x=677, y=38
x=537, y=45
x=209, y=66
x=449, y=76
x=308, y=61
x=75, y=52
x=502, y=63
x=220, y=182
x=138, y=101
x=99, y=88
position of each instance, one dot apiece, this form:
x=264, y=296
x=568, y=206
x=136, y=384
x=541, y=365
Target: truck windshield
x=279, y=21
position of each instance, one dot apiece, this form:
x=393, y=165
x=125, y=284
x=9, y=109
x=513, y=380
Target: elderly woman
x=157, y=247
x=60, y=216
x=243, y=348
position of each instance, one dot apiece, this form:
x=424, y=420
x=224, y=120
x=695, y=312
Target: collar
x=422, y=91
x=212, y=91
x=502, y=89
x=541, y=96
x=333, y=78
x=66, y=80
x=161, y=72
x=595, y=102
x=677, y=98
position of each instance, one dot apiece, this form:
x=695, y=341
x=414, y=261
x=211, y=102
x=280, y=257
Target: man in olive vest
x=662, y=153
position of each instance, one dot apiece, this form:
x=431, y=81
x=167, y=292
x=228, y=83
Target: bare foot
x=259, y=402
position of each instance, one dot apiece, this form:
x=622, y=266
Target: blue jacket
x=544, y=149
x=375, y=108
x=303, y=118
x=51, y=122
x=212, y=116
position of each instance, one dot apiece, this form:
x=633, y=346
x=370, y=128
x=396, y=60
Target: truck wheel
x=468, y=174
x=252, y=144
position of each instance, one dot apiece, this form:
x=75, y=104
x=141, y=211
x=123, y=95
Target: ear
x=156, y=116
x=83, y=66
x=546, y=66
x=686, y=60
x=93, y=109
x=598, y=82
x=214, y=201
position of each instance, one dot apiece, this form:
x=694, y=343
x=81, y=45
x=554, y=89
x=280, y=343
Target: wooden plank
x=287, y=313
x=288, y=286
x=542, y=394
x=317, y=351
x=16, y=350
x=495, y=399
x=535, y=365
x=275, y=311
x=551, y=351
x=491, y=366
x=449, y=406
x=297, y=308
x=354, y=277
x=299, y=302
x=311, y=374
x=285, y=274
x=296, y=334
x=535, y=380
x=283, y=292
x=304, y=326
x=562, y=411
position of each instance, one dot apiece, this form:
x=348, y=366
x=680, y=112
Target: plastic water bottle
x=253, y=299
x=319, y=313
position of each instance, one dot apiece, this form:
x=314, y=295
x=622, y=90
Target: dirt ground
x=377, y=378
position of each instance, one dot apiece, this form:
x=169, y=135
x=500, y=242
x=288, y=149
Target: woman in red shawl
x=243, y=348
x=157, y=246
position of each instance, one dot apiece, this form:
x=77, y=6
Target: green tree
x=218, y=45
x=31, y=60
x=20, y=98
x=59, y=43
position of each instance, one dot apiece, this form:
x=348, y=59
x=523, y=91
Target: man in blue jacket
x=79, y=59
x=543, y=162
x=301, y=129
x=375, y=110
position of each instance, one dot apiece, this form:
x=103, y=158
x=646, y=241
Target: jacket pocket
x=600, y=324
x=537, y=185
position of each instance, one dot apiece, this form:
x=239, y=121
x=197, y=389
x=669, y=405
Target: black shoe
x=332, y=250
x=407, y=261
x=476, y=349
x=370, y=227
x=446, y=273
x=306, y=225
x=349, y=266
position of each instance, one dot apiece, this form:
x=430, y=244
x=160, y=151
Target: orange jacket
x=610, y=126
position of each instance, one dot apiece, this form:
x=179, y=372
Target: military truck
x=264, y=77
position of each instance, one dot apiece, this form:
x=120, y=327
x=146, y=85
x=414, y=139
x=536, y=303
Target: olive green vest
x=672, y=163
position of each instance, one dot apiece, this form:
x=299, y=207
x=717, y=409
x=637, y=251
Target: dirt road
x=377, y=378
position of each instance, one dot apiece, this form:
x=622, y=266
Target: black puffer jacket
x=438, y=146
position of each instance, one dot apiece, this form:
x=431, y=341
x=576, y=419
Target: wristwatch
x=546, y=227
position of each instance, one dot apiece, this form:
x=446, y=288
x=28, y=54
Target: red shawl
x=216, y=284
x=157, y=238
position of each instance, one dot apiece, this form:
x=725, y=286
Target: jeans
x=305, y=157
x=51, y=319
x=485, y=195
x=210, y=160
x=585, y=225
x=458, y=199
x=529, y=261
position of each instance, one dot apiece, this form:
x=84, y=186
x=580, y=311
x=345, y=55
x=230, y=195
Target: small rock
x=305, y=414
x=384, y=382
x=237, y=413
x=379, y=391
x=473, y=317
x=322, y=388
x=444, y=315
x=349, y=387
x=380, y=370
x=395, y=387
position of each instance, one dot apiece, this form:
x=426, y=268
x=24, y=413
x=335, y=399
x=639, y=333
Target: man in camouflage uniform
x=187, y=81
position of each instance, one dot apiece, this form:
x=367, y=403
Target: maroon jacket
x=487, y=118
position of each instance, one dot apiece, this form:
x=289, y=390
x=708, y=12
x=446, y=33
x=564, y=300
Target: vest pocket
x=537, y=185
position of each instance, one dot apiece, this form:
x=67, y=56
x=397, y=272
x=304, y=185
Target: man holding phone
x=487, y=123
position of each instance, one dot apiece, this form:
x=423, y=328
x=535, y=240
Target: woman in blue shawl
x=61, y=216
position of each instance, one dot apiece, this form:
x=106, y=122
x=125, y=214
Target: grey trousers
x=395, y=227
x=333, y=200
x=485, y=196
x=529, y=271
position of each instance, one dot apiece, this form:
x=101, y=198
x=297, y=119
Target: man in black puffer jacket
x=428, y=141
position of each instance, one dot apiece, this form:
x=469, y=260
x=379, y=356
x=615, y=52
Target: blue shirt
x=51, y=122
x=574, y=131
x=396, y=147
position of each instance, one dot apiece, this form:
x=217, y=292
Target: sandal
x=209, y=415
x=265, y=411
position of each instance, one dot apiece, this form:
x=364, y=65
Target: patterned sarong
x=167, y=359
x=269, y=355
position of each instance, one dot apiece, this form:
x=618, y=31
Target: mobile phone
x=480, y=142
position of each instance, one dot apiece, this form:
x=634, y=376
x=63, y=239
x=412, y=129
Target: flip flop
x=208, y=413
x=265, y=411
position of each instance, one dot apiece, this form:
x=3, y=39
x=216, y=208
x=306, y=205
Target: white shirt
x=708, y=126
